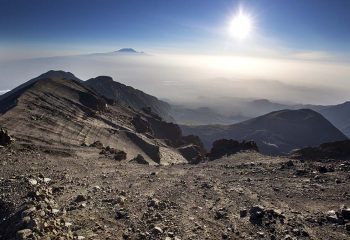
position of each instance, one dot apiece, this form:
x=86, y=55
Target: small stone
x=67, y=224
x=46, y=180
x=157, y=230
x=80, y=198
x=153, y=203
x=24, y=233
x=221, y=213
x=347, y=227
x=55, y=211
x=121, y=200
x=121, y=213
x=32, y=181
x=243, y=213
x=287, y=237
x=224, y=236
x=332, y=216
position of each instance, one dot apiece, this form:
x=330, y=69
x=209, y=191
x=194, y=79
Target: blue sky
x=180, y=25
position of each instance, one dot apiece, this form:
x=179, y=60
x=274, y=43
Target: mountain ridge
x=278, y=132
x=66, y=114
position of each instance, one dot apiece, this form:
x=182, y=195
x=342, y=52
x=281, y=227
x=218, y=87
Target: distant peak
x=127, y=50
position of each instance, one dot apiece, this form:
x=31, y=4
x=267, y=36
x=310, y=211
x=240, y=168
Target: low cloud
x=184, y=78
x=4, y=91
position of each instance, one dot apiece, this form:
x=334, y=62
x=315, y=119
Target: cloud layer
x=187, y=78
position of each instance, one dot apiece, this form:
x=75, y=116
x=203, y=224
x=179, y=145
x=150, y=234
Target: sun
x=240, y=26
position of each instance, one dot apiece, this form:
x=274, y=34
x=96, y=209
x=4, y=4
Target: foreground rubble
x=88, y=195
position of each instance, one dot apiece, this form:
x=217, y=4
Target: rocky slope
x=244, y=196
x=128, y=96
x=275, y=133
x=58, y=113
x=339, y=116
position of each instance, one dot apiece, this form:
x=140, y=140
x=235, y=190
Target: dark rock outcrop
x=192, y=153
x=128, y=96
x=141, y=125
x=139, y=159
x=331, y=150
x=224, y=147
x=5, y=138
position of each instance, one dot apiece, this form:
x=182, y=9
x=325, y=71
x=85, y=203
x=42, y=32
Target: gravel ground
x=79, y=194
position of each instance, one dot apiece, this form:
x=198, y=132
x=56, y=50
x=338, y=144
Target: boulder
x=224, y=147
x=120, y=155
x=139, y=159
x=192, y=153
x=256, y=214
x=96, y=144
x=5, y=138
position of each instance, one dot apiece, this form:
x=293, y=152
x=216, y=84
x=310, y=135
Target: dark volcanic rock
x=97, y=144
x=120, y=155
x=5, y=138
x=192, y=139
x=224, y=147
x=141, y=125
x=192, y=153
x=139, y=159
x=331, y=150
x=93, y=102
x=256, y=214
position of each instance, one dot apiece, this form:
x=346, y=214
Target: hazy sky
x=295, y=50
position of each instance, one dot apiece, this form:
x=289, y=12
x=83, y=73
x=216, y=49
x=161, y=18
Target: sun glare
x=240, y=26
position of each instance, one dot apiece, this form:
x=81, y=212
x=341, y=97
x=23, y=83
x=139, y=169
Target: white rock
x=54, y=210
x=32, y=181
x=46, y=180
x=68, y=224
